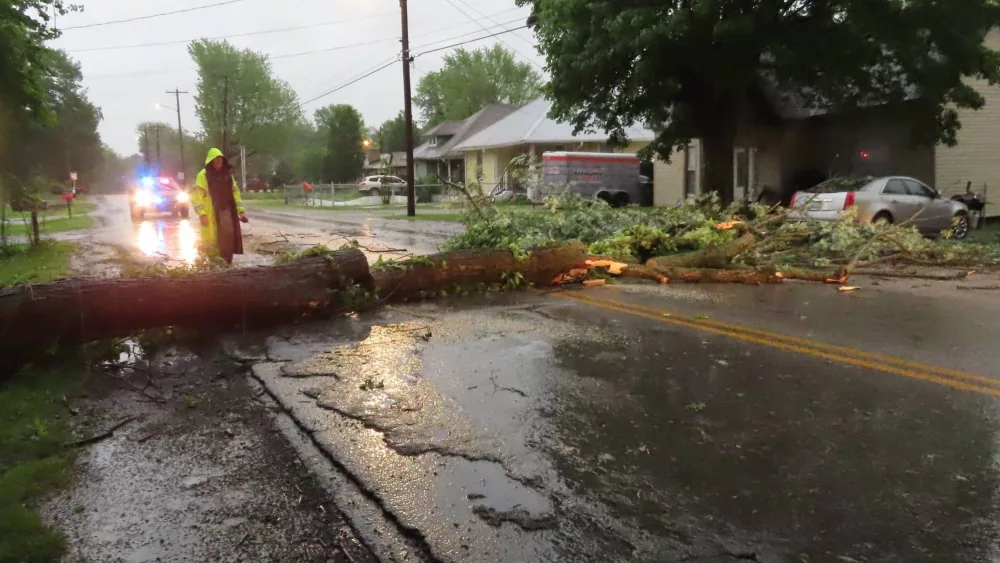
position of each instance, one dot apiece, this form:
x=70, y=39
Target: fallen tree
x=317, y=284
x=702, y=241
x=419, y=277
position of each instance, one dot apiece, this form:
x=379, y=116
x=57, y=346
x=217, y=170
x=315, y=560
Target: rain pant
x=211, y=196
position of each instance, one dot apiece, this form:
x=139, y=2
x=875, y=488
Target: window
x=433, y=141
x=840, y=184
x=894, y=187
x=914, y=187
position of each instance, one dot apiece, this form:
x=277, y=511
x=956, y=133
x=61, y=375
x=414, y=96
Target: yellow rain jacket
x=201, y=200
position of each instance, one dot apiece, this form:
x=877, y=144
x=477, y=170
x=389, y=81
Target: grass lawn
x=24, y=264
x=447, y=217
x=990, y=232
x=34, y=460
x=280, y=203
x=55, y=219
x=257, y=196
x=51, y=225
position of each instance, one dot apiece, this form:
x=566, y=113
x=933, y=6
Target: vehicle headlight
x=183, y=197
x=143, y=198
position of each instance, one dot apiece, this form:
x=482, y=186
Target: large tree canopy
x=261, y=111
x=688, y=66
x=24, y=58
x=391, y=135
x=344, y=129
x=470, y=80
x=67, y=141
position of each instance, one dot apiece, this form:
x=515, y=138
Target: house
x=528, y=130
x=385, y=163
x=438, y=156
x=786, y=146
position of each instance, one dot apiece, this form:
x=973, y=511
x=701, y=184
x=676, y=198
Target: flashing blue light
x=148, y=182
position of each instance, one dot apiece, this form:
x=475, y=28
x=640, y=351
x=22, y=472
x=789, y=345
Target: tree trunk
x=709, y=257
x=450, y=270
x=80, y=310
x=711, y=275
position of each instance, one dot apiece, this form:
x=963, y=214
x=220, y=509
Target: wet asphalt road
x=533, y=428
x=655, y=423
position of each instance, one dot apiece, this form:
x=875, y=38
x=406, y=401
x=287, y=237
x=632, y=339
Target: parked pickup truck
x=615, y=178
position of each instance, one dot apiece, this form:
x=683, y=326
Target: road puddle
x=173, y=239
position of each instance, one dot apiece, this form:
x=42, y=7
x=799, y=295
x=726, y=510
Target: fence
x=351, y=195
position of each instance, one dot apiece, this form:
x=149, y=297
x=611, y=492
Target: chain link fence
x=352, y=195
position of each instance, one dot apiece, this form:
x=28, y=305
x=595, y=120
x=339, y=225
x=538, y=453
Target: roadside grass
x=445, y=217
x=34, y=460
x=55, y=219
x=53, y=225
x=57, y=208
x=257, y=196
x=988, y=233
x=280, y=203
x=338, y=195
x=21, y=263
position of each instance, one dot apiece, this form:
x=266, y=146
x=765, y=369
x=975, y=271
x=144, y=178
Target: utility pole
x=243, y=166
x=145, y=147
x=180, y=131
x=159, y=162
x=411, y=199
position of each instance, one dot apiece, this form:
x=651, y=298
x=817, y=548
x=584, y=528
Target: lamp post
x=180, y=133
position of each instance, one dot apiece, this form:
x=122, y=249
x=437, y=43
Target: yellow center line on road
x=854, y=352
x=850, y=356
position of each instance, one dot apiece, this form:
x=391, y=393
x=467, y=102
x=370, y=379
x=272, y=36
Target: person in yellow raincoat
x=216, y=199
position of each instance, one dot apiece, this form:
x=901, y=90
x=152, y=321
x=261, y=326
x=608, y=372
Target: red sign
x=307, y=186
x=67, y=197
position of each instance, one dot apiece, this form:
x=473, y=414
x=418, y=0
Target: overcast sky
x=127, y=83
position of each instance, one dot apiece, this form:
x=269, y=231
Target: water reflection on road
x=176, y=239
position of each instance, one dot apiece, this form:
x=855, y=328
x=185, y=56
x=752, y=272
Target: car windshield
x=841, y=184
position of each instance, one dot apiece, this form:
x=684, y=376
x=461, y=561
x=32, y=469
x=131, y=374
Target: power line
x=346, y=84
x=290, y=55
x=265, y=32
x=469, y=41
x=393, y=61
x=474, y=9
x=235, y=35
x=477, y=22
x=151, y=16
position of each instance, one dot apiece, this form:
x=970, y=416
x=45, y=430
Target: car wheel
x=605, y=197
x=960, y=226
x=882, y=217
x=374, y=192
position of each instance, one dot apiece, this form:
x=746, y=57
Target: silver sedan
x=893, y=199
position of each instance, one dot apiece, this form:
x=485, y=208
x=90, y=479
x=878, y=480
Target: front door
x=744, y=172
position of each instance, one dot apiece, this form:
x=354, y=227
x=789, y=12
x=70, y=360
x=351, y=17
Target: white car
x=373, y=185
x=892, y=199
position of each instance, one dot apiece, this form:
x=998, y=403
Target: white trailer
x=613, y=177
